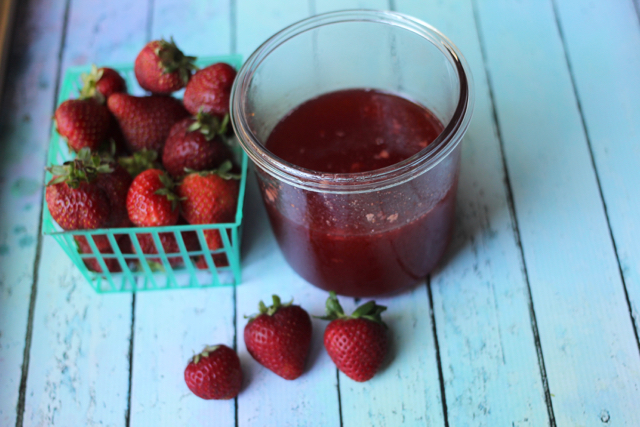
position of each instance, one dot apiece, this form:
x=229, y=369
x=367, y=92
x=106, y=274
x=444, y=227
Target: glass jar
x=366, y=233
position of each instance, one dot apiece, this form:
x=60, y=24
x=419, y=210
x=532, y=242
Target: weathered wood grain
x=78, y=372
x=608, y=90
x=24, y=129
x=587, y=336
x=406, y=391
x=169, y=328
x=480, y=295
x=79, y=366
x=268, y=399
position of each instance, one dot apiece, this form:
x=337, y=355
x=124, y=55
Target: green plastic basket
x=148, y=271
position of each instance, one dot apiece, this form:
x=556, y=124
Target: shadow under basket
x=122, y=266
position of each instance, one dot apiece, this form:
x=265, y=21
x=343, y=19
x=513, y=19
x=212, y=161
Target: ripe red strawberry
x=210, y=197
x=104, y=247
x=116, y=186
x=101, y=83
x=169, y=245
x=162, y=68
x=209, y=90
x=150, y=200
x=145, y=121
x=74, y=200
x=196, y=145
x=357, y=344
x=83, y=123
x=215, y=373
x=279, y=338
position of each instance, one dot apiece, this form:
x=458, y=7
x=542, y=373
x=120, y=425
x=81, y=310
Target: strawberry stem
x=369, y=310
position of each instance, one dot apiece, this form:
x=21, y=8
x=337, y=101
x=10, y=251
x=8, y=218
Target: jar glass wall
x=366, y=233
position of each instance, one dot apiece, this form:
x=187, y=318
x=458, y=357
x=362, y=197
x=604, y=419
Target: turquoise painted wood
x=270, y=400
x=169, y=328
x=26, y=111
x=480, y=296
x=489, y=298
x=608, y=91
x=81, y=341
x=587, y=336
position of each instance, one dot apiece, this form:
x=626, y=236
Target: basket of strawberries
x=145, y=183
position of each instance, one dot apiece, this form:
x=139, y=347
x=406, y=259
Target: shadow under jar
x=354, y=120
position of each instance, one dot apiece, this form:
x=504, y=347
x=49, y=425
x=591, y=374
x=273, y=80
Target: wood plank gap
x=593, y=165
x=434, y=331
x=22, y=391
x=514, y=219
x=636, y=4
x=235, y=340
x=127, y=415
x=339, y=397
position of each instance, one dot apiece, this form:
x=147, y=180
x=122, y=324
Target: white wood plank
x=171, y=326
x=609, y=94
x=323, y=6
x=406, y=391
x=209, y=25
x=79, y=366
x=26, y=117
x=268, y=399
x=78, y=372
x=586, y=333
x=481, y=301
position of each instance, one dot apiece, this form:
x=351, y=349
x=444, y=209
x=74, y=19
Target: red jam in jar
x=365, y=243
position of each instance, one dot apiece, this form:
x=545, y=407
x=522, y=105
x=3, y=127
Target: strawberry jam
x=361, y=243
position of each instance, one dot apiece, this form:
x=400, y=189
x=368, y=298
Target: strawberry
x=145, y=121
x=73, y=198
x=104, y=247
x=357, y=344
x=140, y=161
x=279, y=338
x=101, y=83
x=116, y=186
x=210, y=197
x=196, y=145
x=83, y=123
x=169, y=245
x=162, y=68
x=150, y=200
x=209, y=90
x=215, y=373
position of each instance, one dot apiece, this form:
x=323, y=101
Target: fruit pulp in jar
x=368, y=243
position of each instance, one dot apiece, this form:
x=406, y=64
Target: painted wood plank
x=78, y=373
x=406, y=391
x=585, y=330
x=79, y=367
x=609, y=94
x=481, y=300
x=171, y=326
x=26, y=117
x=268, y=399
x=323, y=6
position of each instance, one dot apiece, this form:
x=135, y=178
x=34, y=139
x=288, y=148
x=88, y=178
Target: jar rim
x=356, y=182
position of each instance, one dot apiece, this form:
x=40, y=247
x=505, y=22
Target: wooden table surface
x=532, y=319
